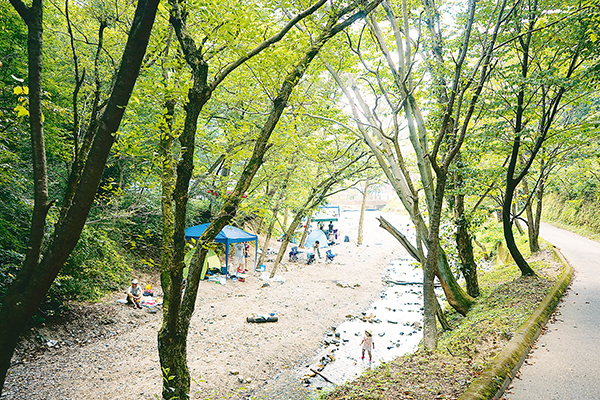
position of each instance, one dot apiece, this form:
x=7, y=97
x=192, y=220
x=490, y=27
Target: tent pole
x=226, y=257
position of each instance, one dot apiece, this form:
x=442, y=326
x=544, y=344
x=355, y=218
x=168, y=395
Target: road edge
x=494, y=380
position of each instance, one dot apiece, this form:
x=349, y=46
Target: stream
x=395, y=322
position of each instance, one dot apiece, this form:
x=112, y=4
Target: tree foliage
x=246, y=111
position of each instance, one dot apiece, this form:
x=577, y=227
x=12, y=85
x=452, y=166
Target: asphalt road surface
x=566, y=362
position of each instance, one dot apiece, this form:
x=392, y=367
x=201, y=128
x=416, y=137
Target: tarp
x=315, y=235
x=323, y=217
x=228, y=235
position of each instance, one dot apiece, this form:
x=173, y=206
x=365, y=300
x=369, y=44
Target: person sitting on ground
x=134, y=294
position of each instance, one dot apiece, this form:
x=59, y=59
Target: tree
x=542, y=80
x=346, y=164
x=464, y=245
x=43, y=261
x=172, y=337
x=396, y=89
x=363, y=206
x=13, y=211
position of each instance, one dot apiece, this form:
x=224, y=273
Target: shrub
x=94, y=268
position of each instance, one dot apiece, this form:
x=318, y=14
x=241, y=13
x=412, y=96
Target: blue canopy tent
x=316, y=235
x=227, y=236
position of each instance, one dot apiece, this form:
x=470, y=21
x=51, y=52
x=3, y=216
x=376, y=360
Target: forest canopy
x=122, y=123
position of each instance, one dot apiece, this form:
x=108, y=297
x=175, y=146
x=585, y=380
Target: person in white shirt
x=134, y=294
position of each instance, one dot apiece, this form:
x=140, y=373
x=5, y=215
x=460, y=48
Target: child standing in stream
x=367, y=344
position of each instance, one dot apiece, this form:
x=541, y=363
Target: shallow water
x=395, y=322
x=394, y=319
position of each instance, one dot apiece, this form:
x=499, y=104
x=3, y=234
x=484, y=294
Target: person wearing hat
x=367, y=344
x=134, y=294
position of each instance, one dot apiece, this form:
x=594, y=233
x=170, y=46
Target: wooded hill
x=123, y=123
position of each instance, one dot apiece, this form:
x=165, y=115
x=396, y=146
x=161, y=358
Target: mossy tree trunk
x=176, y=320
x=468, y=266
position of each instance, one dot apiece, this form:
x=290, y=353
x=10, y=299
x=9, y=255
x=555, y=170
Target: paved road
x=566, y=363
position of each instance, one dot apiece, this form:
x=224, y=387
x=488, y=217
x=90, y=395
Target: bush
x=94, y=268
x=10, y=262
x=581, y=216
x=491, y=234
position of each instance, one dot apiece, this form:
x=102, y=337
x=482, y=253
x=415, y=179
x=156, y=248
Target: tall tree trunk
x=363, y=207
x=507, y=221
x=511, y=181
x=268, y=234
x=306, y=229
x=468, y=266
x=167, y=182
x=429, y=268
x=34, y=23
x=31, y=285
x=11, y=326
x=177, y=319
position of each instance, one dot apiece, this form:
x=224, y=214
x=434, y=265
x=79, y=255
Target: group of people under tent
x=329, y=231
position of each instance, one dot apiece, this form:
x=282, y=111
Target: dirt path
x=110, y=351
x=566, y=359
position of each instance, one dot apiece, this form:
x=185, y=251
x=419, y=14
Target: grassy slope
x=506, y=302
x=579, y=216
